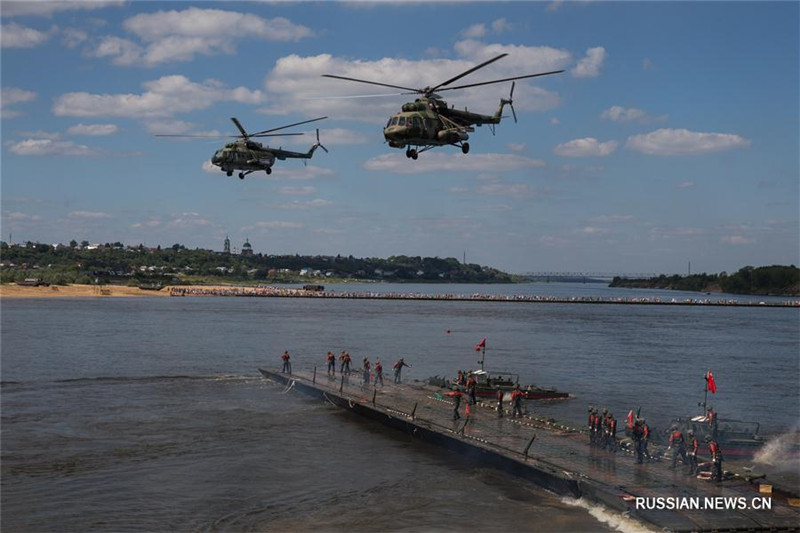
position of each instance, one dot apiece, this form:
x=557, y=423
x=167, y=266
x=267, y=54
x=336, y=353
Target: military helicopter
x=248, y=156
x=427, y=122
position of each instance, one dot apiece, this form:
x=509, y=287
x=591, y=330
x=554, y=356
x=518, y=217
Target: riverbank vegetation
x=113, y=263
x=769, y=280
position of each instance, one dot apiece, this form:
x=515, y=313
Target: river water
x=148, y=414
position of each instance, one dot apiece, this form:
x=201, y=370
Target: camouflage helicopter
x=248, y=156
x=427, y=122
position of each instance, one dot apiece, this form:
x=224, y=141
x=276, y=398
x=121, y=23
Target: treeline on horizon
x=134, y=265
x=775, y=280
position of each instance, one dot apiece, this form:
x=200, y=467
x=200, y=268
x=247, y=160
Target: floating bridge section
x=552, y=455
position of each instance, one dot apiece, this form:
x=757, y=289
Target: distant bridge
x=586, y=276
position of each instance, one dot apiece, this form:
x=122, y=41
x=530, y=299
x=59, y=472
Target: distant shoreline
x=12, y=291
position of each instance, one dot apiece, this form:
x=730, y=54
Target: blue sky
x=671, y=137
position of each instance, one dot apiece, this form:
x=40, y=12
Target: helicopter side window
x=389, y=123
x=402, y=121
x=394, y=121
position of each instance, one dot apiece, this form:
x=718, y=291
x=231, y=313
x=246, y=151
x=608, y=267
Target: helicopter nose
x=393, y=133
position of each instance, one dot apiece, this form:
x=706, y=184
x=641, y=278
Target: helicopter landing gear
x=241, y=175
x=268, y=170
x=411, y=153
x=465, y=148
x=229, y=173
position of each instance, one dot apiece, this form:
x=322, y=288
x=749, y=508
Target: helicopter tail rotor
x=510, y=101
x=320, y=144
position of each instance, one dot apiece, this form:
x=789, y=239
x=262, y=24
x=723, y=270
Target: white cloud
x=621, y=114
x=298, y=191
x=168, y=36
x=737, y=239
x=188, y=220
x=93, y=129
x=14, y=35
x=476, y=30
x=587, y=147
x=163, y=97
x=311, y=204
x=10, y=96
x=589, y=66
x=92, y=215
x=685, y=185
x=72, y=37
x=152, y=222
x=274, y=224
x=516, y=147
x=48, y=8
x=449, y=162
x=308, y=172
x=503, y=189
x=44, y=147
x=670, y=142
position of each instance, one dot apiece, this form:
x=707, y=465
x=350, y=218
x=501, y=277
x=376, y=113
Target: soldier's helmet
x=690, y=433
x=605, y=410
x=708, y=438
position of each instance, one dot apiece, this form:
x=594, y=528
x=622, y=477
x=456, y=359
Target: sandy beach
x=11, y=290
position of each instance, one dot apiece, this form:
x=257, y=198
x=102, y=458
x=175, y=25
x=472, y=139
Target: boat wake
x=612, y=519
x=782, y=451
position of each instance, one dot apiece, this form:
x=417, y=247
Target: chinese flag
x=710, y=383
x=480, y=345
x=630, y=418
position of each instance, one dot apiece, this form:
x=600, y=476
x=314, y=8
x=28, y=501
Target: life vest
x=378, y=368
x=676, y=438
x=695, y=445
x=713, y=447
x=285, y=357
x=646, y=430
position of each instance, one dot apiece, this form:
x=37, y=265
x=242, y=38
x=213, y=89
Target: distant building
x=227, y=246
x=247, y=248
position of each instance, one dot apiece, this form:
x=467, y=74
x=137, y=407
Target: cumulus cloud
x=303, y=205
x=737, y=239
x=273, y=224
x=72, y=37
x=45, y=147
x=93, y=129
x=163, y=97
x=298, y=191
x=441, y=162
x=498, y=188
x=14, y=35
x=631, y=114
x=47, y=9
x=11, y=96
x=587, y=147
x=672, y=142
x=169, y=36
x=188, y=220
x=589, y=66
x=91, y=215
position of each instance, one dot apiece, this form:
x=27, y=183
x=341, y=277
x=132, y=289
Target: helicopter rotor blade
x=466, y=72
x=372, y=83
x=239, y=127
x=274, y=134
x=288, y=126
x=501, y=81
x=197, y=136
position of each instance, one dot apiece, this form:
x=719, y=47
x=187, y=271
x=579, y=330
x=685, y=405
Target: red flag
x=481, y=345
x=710, y=383
x=630, y=418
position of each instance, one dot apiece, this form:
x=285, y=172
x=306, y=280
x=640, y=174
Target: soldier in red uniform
x=366, y=366
x=592, y=414
x=472, y=383
x=637, y=432
x=611, y=433
x=456, y=394
x=346, y=363
x=678, y=446
x=716, y=459
x=500, y=395
x=398, y=368
x=378, y=372
x=331, y=364
x=287, y=365
x=516, y=402
x=645, y=439
x=692, y=452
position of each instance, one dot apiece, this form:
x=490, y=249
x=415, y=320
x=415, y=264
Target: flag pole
x=483, y=355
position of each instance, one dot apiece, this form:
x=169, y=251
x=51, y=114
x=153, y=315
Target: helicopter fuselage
x=243, y=156
x=429, y=122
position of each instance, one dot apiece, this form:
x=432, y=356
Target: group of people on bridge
x=369, y=373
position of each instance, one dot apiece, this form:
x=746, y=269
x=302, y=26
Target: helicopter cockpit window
x=389, y=123
x=394, y=121
x=402, y=121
